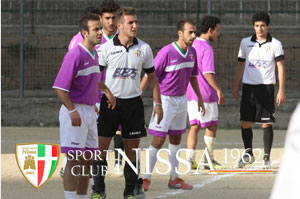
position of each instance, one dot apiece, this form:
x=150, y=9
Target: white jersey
x=260, y=59
x=124, y=66
x=287, y=184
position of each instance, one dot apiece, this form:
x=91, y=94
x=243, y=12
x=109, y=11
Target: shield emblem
x=37, y=161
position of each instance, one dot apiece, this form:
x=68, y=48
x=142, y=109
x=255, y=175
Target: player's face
x=95, y=32
x=129, y=26
x=109, y=21
x=261, y=28
x=189, y=34
x=215, y=33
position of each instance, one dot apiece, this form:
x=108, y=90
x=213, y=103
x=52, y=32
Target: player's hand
x=158, y=111
x=201, y=106
x=280, y=99
x=221, y=98
x=235, y=92
x=96, y=109
x=111, y=100
x=75, y=118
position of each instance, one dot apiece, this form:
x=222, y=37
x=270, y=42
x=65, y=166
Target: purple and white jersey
x=206, y=64
x=79, y=75
x=174, y=69
x=78, y=39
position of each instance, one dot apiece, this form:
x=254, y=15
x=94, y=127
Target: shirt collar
x=117, y=42
x=269, y=38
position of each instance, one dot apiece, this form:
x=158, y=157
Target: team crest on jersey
x=137, y=52
x=268, y=48
x=37, y=161
x=192, y=56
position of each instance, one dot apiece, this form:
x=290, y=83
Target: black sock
x=118, y=143
x=99, y=172
x=130, y=179
x=247, y=136
x=268, y=141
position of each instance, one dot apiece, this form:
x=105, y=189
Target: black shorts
x=128, y=112
x=257, y=104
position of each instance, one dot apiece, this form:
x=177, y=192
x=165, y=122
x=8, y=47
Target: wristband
x=157, y=104
x=72, y=110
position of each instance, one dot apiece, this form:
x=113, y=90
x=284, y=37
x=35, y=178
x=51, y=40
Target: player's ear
x=180, y=33
x=84, y=33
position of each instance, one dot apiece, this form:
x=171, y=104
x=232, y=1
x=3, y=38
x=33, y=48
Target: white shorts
x=84, y=137
x=174, y=120
x=196, y=118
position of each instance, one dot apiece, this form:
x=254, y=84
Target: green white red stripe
x=47, y=156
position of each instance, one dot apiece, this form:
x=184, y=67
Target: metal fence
x=50, y=24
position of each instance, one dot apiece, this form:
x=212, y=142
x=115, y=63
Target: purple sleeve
x=160, y=62
x=208, y=61
x=195, y=68
x=67, y=72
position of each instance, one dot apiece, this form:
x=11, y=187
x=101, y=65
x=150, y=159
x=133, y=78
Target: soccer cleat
x=129, y=197
x=194, y=164
x=215, y=164
x=96, y=195
x=146, y=184
x=62, y=172
x=179, y=183
x=138, y=190
x=267, y=164
x=246, y=159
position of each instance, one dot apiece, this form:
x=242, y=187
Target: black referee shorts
x=128, y=112
x=257, y=104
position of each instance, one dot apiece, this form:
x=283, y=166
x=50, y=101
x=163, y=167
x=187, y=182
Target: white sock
x=70, y=194
x=152, y=160
x=81, y=196
x=210, y=143
x=173, y=160
x=190, y=155
x=64, y=162
x=93, y=183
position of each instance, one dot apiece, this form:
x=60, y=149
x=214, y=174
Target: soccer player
x=257, y=59
x=76, y=86
x=124, y=57
x=77, y=39
x=287, y=182
x=175, y=66
x=210, y=91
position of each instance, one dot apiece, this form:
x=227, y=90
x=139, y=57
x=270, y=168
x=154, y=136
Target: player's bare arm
x=144, y=84
x=280, y=99
x=237, y=77
x=108, y=94
x=154, y=87
x=195, y=86
x=64, y=97
x=213, y=83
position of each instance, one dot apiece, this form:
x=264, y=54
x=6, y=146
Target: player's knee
x=158, y=142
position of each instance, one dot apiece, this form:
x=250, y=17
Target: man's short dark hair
x=208, y=22
x=108, y=6
x=180, y=24
x=125, y=11
x=83, y=22
x=91, y=10
x=261, y=16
